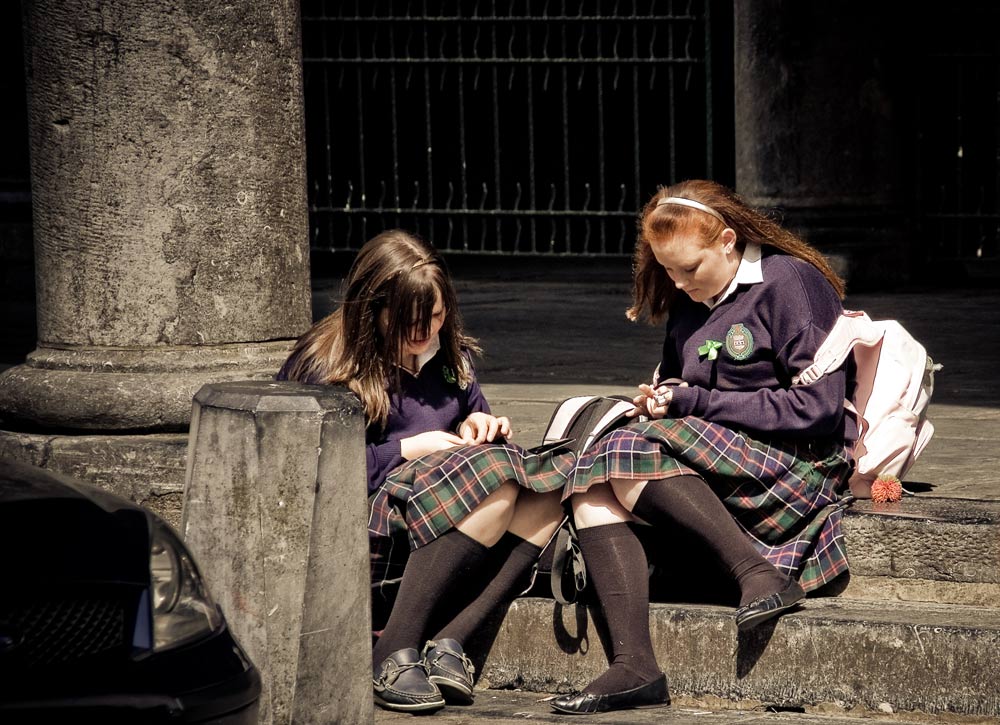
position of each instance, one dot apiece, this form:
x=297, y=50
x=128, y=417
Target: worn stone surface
x=275, y=511
x=965, y=459
x=924, y=548
x=888, y=589
x=99, y=389
x=168, y=174
x=952, y=540
x=147, y=469
x=915, y=658
x=169, y=207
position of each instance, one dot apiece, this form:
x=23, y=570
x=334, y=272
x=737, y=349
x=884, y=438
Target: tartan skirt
x=427, y=496
x=785, y=495
x=424, y=498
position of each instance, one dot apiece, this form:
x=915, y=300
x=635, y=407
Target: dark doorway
x=958, y=142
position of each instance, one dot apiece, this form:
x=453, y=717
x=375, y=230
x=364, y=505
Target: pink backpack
x=894, y=384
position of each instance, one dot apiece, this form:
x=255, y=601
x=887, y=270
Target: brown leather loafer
x=652, y=694
x=764, y=608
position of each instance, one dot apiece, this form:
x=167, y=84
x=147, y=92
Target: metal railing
x=511, y=128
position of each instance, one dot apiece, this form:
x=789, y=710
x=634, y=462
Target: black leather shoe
x=763, y=608
x=400, y=683
x=449, y=669
x=652, y=694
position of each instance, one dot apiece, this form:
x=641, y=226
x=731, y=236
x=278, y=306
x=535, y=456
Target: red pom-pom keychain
x=886, y=489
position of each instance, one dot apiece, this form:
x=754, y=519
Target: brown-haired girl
x=440, y=472
x=732, y=454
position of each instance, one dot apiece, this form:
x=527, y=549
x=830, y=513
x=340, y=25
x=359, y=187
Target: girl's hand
x=484, y=428
x=424, y=443
x=650, y=402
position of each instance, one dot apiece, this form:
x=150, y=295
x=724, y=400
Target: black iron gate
x=533, y=127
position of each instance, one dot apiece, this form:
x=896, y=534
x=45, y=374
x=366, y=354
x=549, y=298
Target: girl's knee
x=489, y=520
x=508, y=494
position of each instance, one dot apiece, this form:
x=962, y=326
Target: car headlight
x=181, y=605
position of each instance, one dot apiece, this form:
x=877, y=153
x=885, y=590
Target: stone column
x=170, y=213
x=820, y=127
x=275, y=511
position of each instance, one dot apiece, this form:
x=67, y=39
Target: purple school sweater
x=765, y=333
x=429, y=401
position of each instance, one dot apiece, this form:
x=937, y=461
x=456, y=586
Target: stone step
x=832, y=655
x=924, y=548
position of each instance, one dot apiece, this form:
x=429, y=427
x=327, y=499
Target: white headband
x=681, y=201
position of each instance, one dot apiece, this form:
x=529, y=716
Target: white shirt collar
x=749, y=272
x=424, y=357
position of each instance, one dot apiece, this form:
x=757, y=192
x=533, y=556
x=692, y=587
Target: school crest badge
x=739, y=342
x=451, y=378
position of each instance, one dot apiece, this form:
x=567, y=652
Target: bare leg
x=627, y=492
x=536, y=516
x=599, y=507
x=489, y=520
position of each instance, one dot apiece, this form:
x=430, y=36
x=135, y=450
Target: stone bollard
x=275, y=512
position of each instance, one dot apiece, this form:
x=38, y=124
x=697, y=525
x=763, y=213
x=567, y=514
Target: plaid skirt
x=426, y=497
x=785, y=495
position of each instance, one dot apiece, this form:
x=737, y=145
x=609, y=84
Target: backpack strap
x=567, y=564
x=852, y=328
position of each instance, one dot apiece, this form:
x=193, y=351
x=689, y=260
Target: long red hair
x=652, y=291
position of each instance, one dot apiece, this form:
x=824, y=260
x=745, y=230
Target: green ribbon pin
x=710, y=349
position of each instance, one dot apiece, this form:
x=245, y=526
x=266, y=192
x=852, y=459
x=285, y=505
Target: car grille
x=50, y=633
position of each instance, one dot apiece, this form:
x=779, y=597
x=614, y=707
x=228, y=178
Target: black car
x=104, y=616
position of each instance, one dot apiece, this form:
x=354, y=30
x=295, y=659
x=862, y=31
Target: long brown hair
x=653, y=293
x=399, y=275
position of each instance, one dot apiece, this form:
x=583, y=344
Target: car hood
x=56, y=529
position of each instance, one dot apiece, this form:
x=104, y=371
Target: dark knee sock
x=690, y=503
x=504, y=575
x=432, y=571
x=617, y=568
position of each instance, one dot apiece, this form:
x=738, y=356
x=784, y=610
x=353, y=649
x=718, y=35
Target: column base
x=125, y=389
